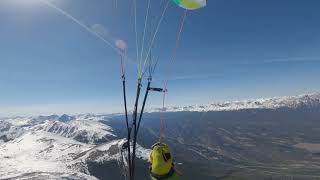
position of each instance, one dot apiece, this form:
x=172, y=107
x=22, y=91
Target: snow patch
x=292, y=102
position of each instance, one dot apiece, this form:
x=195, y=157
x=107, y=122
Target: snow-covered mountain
x=51, y=147
x=8, y=131
x=291, y=102
x=84, y=128
x=65, y=147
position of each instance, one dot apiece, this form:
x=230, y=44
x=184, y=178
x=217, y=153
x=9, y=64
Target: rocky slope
x=58, y=147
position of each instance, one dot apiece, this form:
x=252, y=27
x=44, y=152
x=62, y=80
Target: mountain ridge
x=291, y=102
x=59, y=147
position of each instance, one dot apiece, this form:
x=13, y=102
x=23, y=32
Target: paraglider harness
x=134, y=127
x=161, y=162
x=162, y=177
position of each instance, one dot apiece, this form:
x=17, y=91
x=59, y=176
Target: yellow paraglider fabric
x=191, y=4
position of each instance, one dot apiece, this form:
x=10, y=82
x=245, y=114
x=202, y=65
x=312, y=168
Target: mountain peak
x=289, y=102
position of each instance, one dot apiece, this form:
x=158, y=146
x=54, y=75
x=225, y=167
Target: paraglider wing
x=191, y=4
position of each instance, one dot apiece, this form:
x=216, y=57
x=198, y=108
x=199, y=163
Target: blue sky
x=229, y=50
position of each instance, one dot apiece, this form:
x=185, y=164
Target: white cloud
x=293, y=60
x=287, y=60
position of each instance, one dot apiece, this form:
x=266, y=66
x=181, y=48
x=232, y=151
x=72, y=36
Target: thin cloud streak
x=195, y=76
x=282, y=60
x=293, y=60
x=192, y=77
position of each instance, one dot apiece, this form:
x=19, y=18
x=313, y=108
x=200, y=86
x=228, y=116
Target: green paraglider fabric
x=191, y=4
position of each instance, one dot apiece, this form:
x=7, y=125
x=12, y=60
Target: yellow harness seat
x=161, y=160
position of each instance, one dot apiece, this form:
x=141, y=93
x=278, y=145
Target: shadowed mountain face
x=66, y=147
x=279, y=143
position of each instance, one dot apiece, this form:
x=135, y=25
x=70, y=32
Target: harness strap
x=163, y=177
